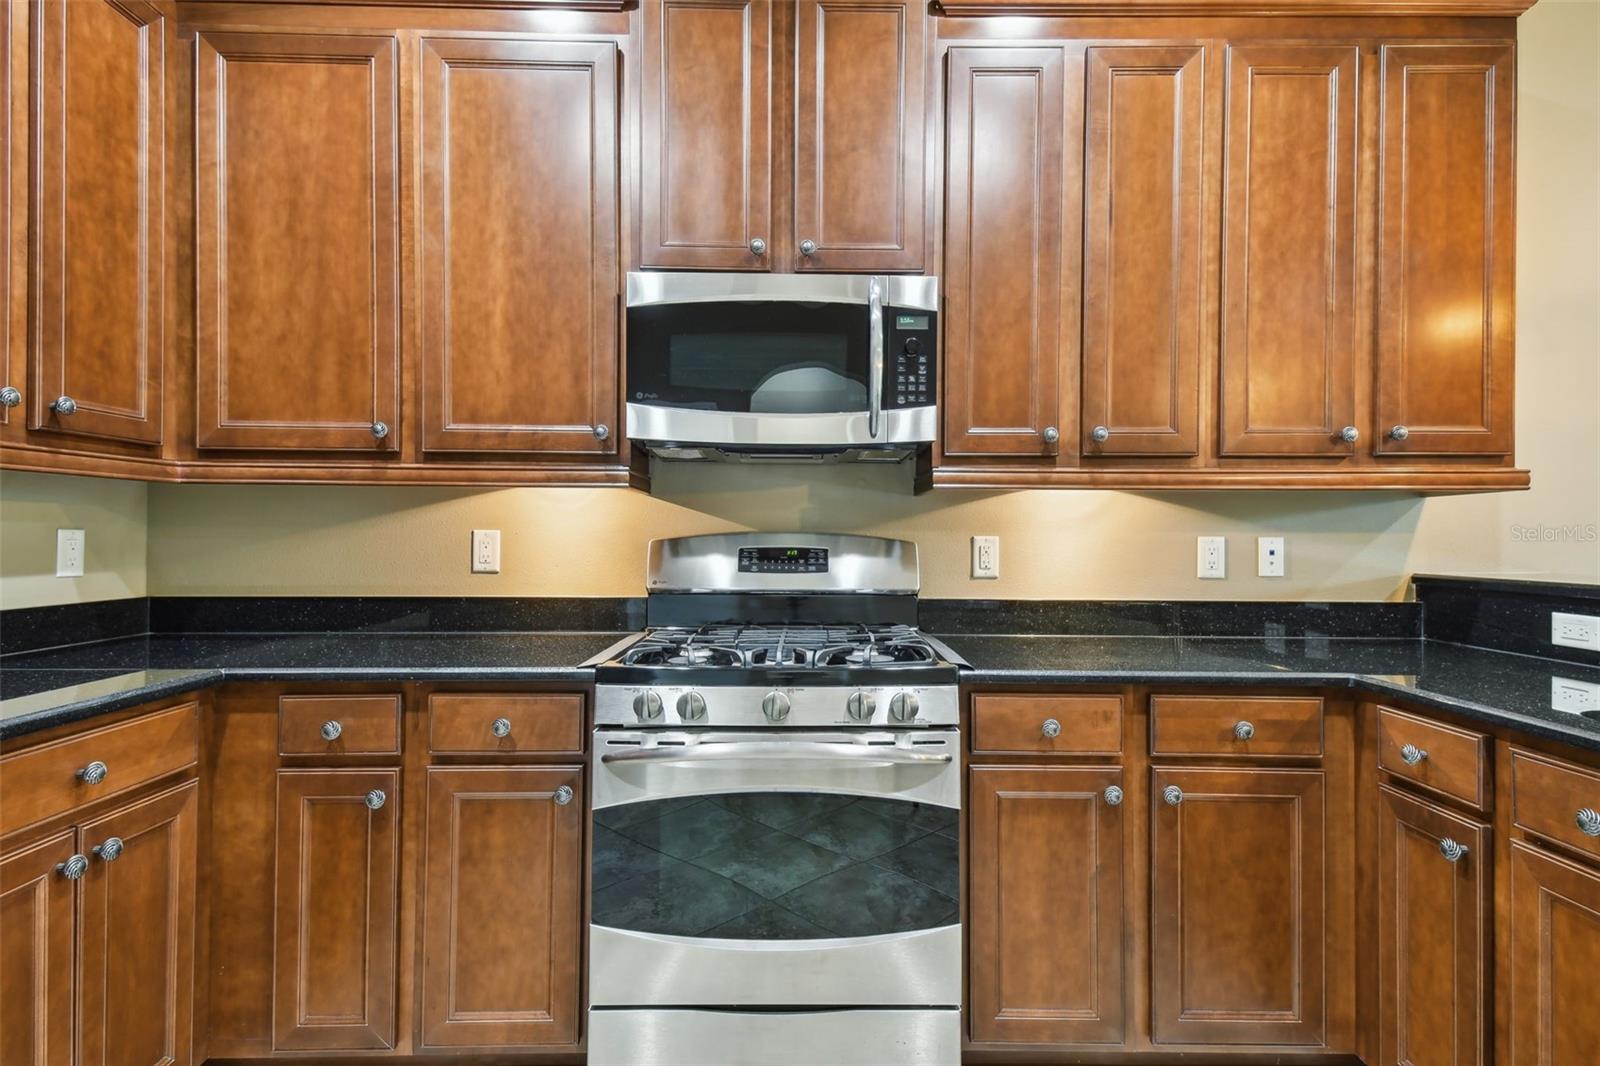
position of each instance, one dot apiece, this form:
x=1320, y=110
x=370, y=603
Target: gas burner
x=788, y=646
x=907, y=652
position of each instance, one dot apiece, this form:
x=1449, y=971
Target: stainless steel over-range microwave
x=781, y=366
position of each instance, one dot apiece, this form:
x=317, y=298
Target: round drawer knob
x=601, y=432
x=1588, y=821
x=1051, y=728
x=1244, y=731
x=1113, y=796
x=375, y=799
x=1411, y=755
x=74, y=868
x=500, y=727
x=1349, y=434
x=331, y=731
x=1452, y=850
x=1399, y=433
x=1100, y=434
x=1173, y=795
x=10, y=397
x=94, y=773
x=808, y=248
x=64, y=405
x=380, y=430
x=1051, y=434
x=758, y=246
x=108, y=851
x=563, y=796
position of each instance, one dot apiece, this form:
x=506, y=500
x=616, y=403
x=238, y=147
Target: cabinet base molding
x=1243, y=8
x=1436, y=481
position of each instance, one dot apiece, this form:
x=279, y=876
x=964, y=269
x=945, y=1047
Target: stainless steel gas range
x=777, y=788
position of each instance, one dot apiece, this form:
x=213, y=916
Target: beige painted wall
x=414, y=541
x=113, y=516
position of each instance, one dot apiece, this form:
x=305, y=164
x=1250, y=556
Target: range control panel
x=783, y=560
x=909, y=363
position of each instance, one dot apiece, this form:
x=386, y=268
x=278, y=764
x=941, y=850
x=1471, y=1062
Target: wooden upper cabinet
x=1236, y=947
x=1288, y=251
x=859, y=184
x=1046, y=912
x=1434, y=917
x=519, y=262
x=706, y=118
x=136, y=962
x=36, y=945
x=504, y=866
x=1554, y=956
x=1004, y=188
x=1446, y=250
x=1142, y=262
x=99, y=217
x=13, y=209
x=337, y=882
x=298, y=317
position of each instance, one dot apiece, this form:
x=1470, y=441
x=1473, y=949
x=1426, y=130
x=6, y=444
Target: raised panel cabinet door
x=519, y=265
x=1237, y=937
x=1142, y=264
x=1446, y=250
x=502, y=908
x=705, y=183
x=13, y=209
x=1288, y=251
x=1046, y=914
x=337, y=855
x=99, y=216
x=136, y=962
x=1555, y=955
x=860, y=189
x=298, y=315
x=1435, y=902
x=1004, y=187
x=37, y=900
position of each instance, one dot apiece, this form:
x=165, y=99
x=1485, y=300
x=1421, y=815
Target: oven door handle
x=875, y=369
x=691, y=753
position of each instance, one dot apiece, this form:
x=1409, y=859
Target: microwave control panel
x=909, y=357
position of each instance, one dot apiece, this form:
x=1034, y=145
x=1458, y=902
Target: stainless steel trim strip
x=712, y=751
x=649, y=423
x=818, y=707
x=735, y=1038
x=647, y=288
x=875, y=356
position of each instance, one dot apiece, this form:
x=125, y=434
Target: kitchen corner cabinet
x=718, y=146
x=502, y=907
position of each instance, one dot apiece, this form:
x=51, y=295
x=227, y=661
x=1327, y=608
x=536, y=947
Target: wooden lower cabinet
x=336, y=887
x=36, y=943
x=503, y=909
x=1554, y=959
x=1434, y=918
x=1045, y=905
x=1239, y=919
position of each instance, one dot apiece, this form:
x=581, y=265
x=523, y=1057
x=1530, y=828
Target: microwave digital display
x=783, y=560
x=918, y=322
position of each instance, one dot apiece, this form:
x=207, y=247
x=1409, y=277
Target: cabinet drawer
x=1446, y=760
x=1084, y=724
x=43, y=782
x=358, y=725
x=1547, y=796
x=1236, y=725
x=473, y=722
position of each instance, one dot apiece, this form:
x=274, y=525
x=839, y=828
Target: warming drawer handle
x=787, y=750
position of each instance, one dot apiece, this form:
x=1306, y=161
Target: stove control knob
x=691, y=707
x=775, y=706
x=860, y=706
x=647, y=705
x=904, y=707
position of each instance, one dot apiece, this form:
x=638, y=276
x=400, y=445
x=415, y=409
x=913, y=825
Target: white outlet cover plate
x=1269, y=557
x=985, y=557
x=1575, y=630
x=1569, y=694
x=70, y=547
x=1212, y=558
x=485, y=551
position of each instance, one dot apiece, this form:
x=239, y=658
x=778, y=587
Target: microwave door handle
x=875, y=368
x=692, y=753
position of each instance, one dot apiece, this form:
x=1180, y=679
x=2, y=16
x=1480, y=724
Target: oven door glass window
x=771, y=357
x=775, y=866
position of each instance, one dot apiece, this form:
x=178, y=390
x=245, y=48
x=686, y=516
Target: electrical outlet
x=1269, y=557
x=485, y=551
x=1213, y=558
x=1575, y=630
x=1579, y=697
x=70, y=547
x=986, y=557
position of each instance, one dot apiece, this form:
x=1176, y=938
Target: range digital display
x=783, y=560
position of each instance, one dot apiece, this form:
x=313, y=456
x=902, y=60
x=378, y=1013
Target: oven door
x=775, y=869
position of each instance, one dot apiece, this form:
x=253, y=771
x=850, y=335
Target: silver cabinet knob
x=563, y=795
x=331, y=730
x=807, y=248
x=10, y=397
x=1051, y=728
x=1399, y=433
x=1410, y=754
x=775, y=705
x=1113, y=796
x=108, y=851
x=75, y=867
x=380, y=430
x=1051, y=434
x=1100, y=434
x=1349, y=434
x=861, y=706
x=375, y=799
x=1173, y=795
x=500, y=727
x=64, y=405
x=601, y=432
x=1244, y=731
x=94, y=773
x=904, y=707
x=1452, y=850
x=1588, y=821
x=647, y=706
x=758, y=246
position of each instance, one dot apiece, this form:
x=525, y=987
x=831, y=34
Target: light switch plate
x=985, y=557
x=1269, y=557
x=70, y=547
x=1575, y=630
x=485, y=551
x=1568, y=694
x=1212, y=562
